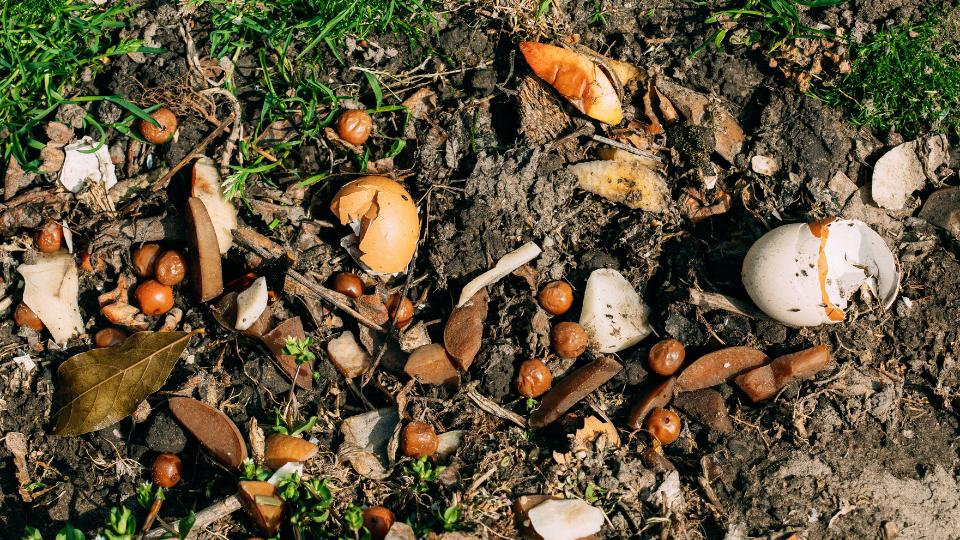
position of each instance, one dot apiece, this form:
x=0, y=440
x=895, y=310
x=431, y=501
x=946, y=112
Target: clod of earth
x=251, y=303
x=706, y=406
x=26, y=318
x=633, y=183
x=282, y=449
x=718, y=367
x=942, y=208
x=384, y=220
x=430, y=364
x=805, y=274
x=262, y=503
x=205, y=267
x=658, y=398
x=215, y=431
x=613, y=314
x=207, y=186
x=700, y=110
x=365, y=439
x=572, y=388
x=51, y=288
x=463, y=333
x=906, y=168
x=350, y=359
x=766, y=381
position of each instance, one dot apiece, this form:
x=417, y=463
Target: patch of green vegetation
x=424, y=473
x=905, y=78
x=772, y=22
x=121, y=525
x=46, y=46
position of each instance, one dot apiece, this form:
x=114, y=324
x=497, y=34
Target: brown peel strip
x=821, y=231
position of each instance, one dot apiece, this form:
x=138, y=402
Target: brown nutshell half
x=215, y=431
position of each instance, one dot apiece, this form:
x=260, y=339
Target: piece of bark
x=275, y=341
x=431, y=364
x=574, y=387
x=205, y=269
x=463, y=334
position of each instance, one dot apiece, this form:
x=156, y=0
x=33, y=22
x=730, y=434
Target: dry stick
x=489, y=407
x=162, y=182
x=625, y=147
x=711, y=301
x=216, y=511
x=332, y=297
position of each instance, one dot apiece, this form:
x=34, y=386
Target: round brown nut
x=24, y=316
x=109, y=337
x=663, y=424
x=533, y=378
x=171, y=267
x=166, y=470
x=556, y=297
x=666, y=357
x=49, y=237
x=154, y=297
x=403, y=308
x=354, y=126
x=163, y=133
x=418, y=440
x=568, y=339
x=378, y=521
x=145, y=259
x=348, y=284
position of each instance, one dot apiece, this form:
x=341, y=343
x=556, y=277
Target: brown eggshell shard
x=262, y=503
x=463, y=334
x=283, y=449
x=574, y=387
x=350, y=359
x=225, y=312
x=215, y=431
x=577, y=78
x=205, y=269
x=718, y=367
x=275, y=341
x=658, y=398
x=706, y=406
x=431, y=364
x=372, y=307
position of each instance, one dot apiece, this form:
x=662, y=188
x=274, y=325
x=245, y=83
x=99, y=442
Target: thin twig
x=625, y=147
x=161, y=183
x=332, y=297
x=216, y=511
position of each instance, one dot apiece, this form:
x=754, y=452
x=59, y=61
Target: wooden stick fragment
x=213, y=513
x=161, y=183
x=713, y=301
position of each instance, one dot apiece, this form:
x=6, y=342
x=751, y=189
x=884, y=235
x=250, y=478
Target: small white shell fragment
x=508, y=263
x=286, y=471
x=630, y=182
x=206, y=186
x=51, y=288
x=365, y=439
x=81, y=166
x=251, y=303
x=905, y=169
x=804, y=274
x=448, y=442
x=613, y=315
x=67, y=236
x=565, y=519
x=764, y=165
x=348, y=356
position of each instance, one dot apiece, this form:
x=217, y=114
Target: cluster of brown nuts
x=167, y=268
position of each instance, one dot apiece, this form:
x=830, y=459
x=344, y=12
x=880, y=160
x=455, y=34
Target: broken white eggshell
x=805, y=274
x=207, y=186
x=51, y=288
x=613, y=314
x=80, y=165
x=385, y=223
x=508, y=263
x=905, y=169
x=631, y=182
x=565, y=519
x=251, y=303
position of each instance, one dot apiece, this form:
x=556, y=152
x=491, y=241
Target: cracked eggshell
x=613, y=314
x=577, y=78
x=51, y=287
x=804, y=274
x=385, y=222
x=251, y=303
x=206, y=186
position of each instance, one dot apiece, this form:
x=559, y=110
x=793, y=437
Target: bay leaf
x=100, y=387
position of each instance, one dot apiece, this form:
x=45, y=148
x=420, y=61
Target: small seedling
x=251, y=471
x=299, y=349
x=308, y=503
x=423, y=472
x=450, y=518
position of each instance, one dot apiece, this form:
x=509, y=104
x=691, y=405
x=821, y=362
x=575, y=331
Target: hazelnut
x=24, y=316
x=171, y=267
x=418, y=440
x=533, y=378
x=402, y=307
x=166, y=470
x=163, y=133
x=378, y=521
x=109, y=337
x=568, y=339
x=145, y=259
x=49, y=237
x=354, y=126
x=663, y=424
x=349, y=284
x=154, y=297
x=666, y=357
x=556, y=297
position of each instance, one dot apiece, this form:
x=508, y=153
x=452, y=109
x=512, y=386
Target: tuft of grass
x=905, y=78
x=773, y=22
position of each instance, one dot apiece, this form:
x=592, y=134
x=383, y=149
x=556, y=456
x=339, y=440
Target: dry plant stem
x=489, y=407
x=235, y=133
x=332, y=297
x=711, y=301
x=216, y=511
x=154, y=510
x=625, y=147
x=161, y=183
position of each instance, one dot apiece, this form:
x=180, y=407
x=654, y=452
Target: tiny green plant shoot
x=424, y=473
x=121, y=525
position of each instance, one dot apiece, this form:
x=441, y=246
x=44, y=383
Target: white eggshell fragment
x=51, y=288
x=905, y=169
x=565, y=519
x=82, y=165
x=613, y=315
x=251, y=303
x=805, y=274
x=508, y=263
x=206, y=186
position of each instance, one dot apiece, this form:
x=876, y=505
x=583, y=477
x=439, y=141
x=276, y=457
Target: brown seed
x=163, y=133
x=24, y=316
x=166, y=470
x=533, y=378
x=154, y=297
x=402, y=307
x=109, y=337
x=658, y=398
x=430, y=364
x=463, y=333
x=49, y=237
x=215, y=431
x=663, y=424
x=378, y=521
x=572, y=388
x=719, y=366
x=283, y=449
x=568, y=339
x=349, y=284
x=556, y=297
x=354, y=126
x=418, y=440
x=171, y=267
x=145, y=260
x=666, y=357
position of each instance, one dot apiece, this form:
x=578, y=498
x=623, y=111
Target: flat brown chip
x=217, y=433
